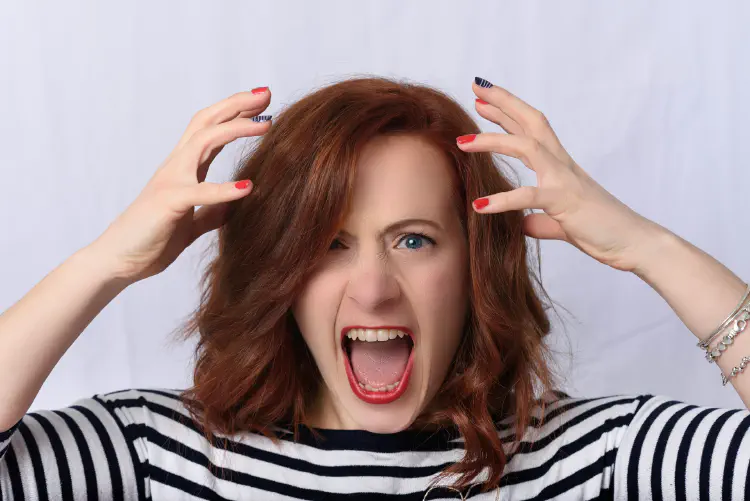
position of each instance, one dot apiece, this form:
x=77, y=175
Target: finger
x=203, y=167
x=206, y=142
x=525, y=197
x=530, y=151
x=208, y=218
x=208, y=194
x=226, y=110
x=540, y=225
x=532, y=121
x=549, y=200
x=496, y=115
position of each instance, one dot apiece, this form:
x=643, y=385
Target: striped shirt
x=142, y=444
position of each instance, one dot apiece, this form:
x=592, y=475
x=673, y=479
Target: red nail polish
x=259, y=90
x=241, y=185
x=482, y=101
x=466, y=139
x=481, y=202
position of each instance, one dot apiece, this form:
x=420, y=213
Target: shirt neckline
x=362, y=440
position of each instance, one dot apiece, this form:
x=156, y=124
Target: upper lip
x=396, y=327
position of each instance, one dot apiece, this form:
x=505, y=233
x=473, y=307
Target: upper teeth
x=374, y=334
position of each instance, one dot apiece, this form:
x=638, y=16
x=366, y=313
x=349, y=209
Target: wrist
x=658, y=244
x=101, y=267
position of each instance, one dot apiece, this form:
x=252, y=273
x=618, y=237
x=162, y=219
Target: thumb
x=540, y=225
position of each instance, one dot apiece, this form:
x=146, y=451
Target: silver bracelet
x=704, y=344
x=739, y=325
x=735, y=370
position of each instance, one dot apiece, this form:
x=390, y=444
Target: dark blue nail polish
x=482, y=82
x=262, y=118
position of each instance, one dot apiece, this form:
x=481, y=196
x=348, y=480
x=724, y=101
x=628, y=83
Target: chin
x=384, y=418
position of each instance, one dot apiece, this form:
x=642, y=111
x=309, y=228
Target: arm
x=700, y=290
x=678, y=450
x=143, y=241
x=580, y=211
x=38, y=329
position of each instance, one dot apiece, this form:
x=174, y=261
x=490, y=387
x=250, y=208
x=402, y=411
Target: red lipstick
x=377, y=397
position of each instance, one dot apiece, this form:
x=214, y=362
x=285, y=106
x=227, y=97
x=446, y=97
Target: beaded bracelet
x=704, y=343
x=735, y=370
x=739, y=325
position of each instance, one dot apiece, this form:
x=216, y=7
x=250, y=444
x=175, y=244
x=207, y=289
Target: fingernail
x=481, y=202
x=261, y=118
x=465, y=139
x=482, y=82
x=241, y=185
x=482, y=101
x=259, y=90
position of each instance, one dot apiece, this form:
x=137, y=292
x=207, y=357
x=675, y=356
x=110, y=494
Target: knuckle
x=539, y=124
x=531, y=148
x=202, y=116
x=540, y=118
x=200, y=142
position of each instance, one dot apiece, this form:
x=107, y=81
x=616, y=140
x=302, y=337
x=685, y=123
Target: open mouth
x=378, y=362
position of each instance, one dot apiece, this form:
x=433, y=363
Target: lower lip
x=379, y=397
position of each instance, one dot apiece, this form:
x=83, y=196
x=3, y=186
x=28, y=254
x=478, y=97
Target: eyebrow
x=400, y=224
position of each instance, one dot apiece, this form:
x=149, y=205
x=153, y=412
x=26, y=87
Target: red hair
x=253, y=369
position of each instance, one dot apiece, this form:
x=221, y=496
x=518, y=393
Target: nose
x=372, y=282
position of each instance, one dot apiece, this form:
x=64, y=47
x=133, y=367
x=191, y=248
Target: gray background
x=649, y=97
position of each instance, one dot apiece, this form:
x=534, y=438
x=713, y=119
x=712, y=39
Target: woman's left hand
x=576, y=208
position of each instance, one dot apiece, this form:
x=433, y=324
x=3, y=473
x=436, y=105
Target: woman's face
x=392, y=282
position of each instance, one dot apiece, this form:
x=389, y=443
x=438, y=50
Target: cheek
x=443, y=303
x=315, y=310
x=444, y=290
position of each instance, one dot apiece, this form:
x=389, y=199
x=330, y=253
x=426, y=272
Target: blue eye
x=410, y=238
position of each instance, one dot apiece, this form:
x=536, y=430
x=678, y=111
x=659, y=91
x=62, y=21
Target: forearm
x=701, y=291
x=38, y=329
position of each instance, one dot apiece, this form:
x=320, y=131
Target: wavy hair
x=253, y=370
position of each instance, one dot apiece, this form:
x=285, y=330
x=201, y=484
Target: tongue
x=379, y=363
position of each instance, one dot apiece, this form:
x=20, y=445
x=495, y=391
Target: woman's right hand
x=162, y=222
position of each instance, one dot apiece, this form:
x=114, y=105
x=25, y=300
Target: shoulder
x=563, y=425
x=138, y=410
x=557, y=411
x=660, y=421
x=135, y=397
x=563, y=411
x=156, y=401
x=628, y=426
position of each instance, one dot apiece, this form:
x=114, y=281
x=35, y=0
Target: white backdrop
x=649, y=97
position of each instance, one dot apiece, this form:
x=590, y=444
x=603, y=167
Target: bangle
x=735, y=370
x=704, y=344
x=739, y=325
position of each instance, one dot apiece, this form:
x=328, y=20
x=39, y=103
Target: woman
x=370, y=328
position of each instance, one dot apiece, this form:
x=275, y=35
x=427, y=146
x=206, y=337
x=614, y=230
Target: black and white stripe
x=141, y=444
x=482, y=82
x=79, y=452
x=678, y=451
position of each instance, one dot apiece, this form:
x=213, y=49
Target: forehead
x=402, y=176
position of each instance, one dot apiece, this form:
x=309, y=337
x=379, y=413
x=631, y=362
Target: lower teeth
x=382, y=389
